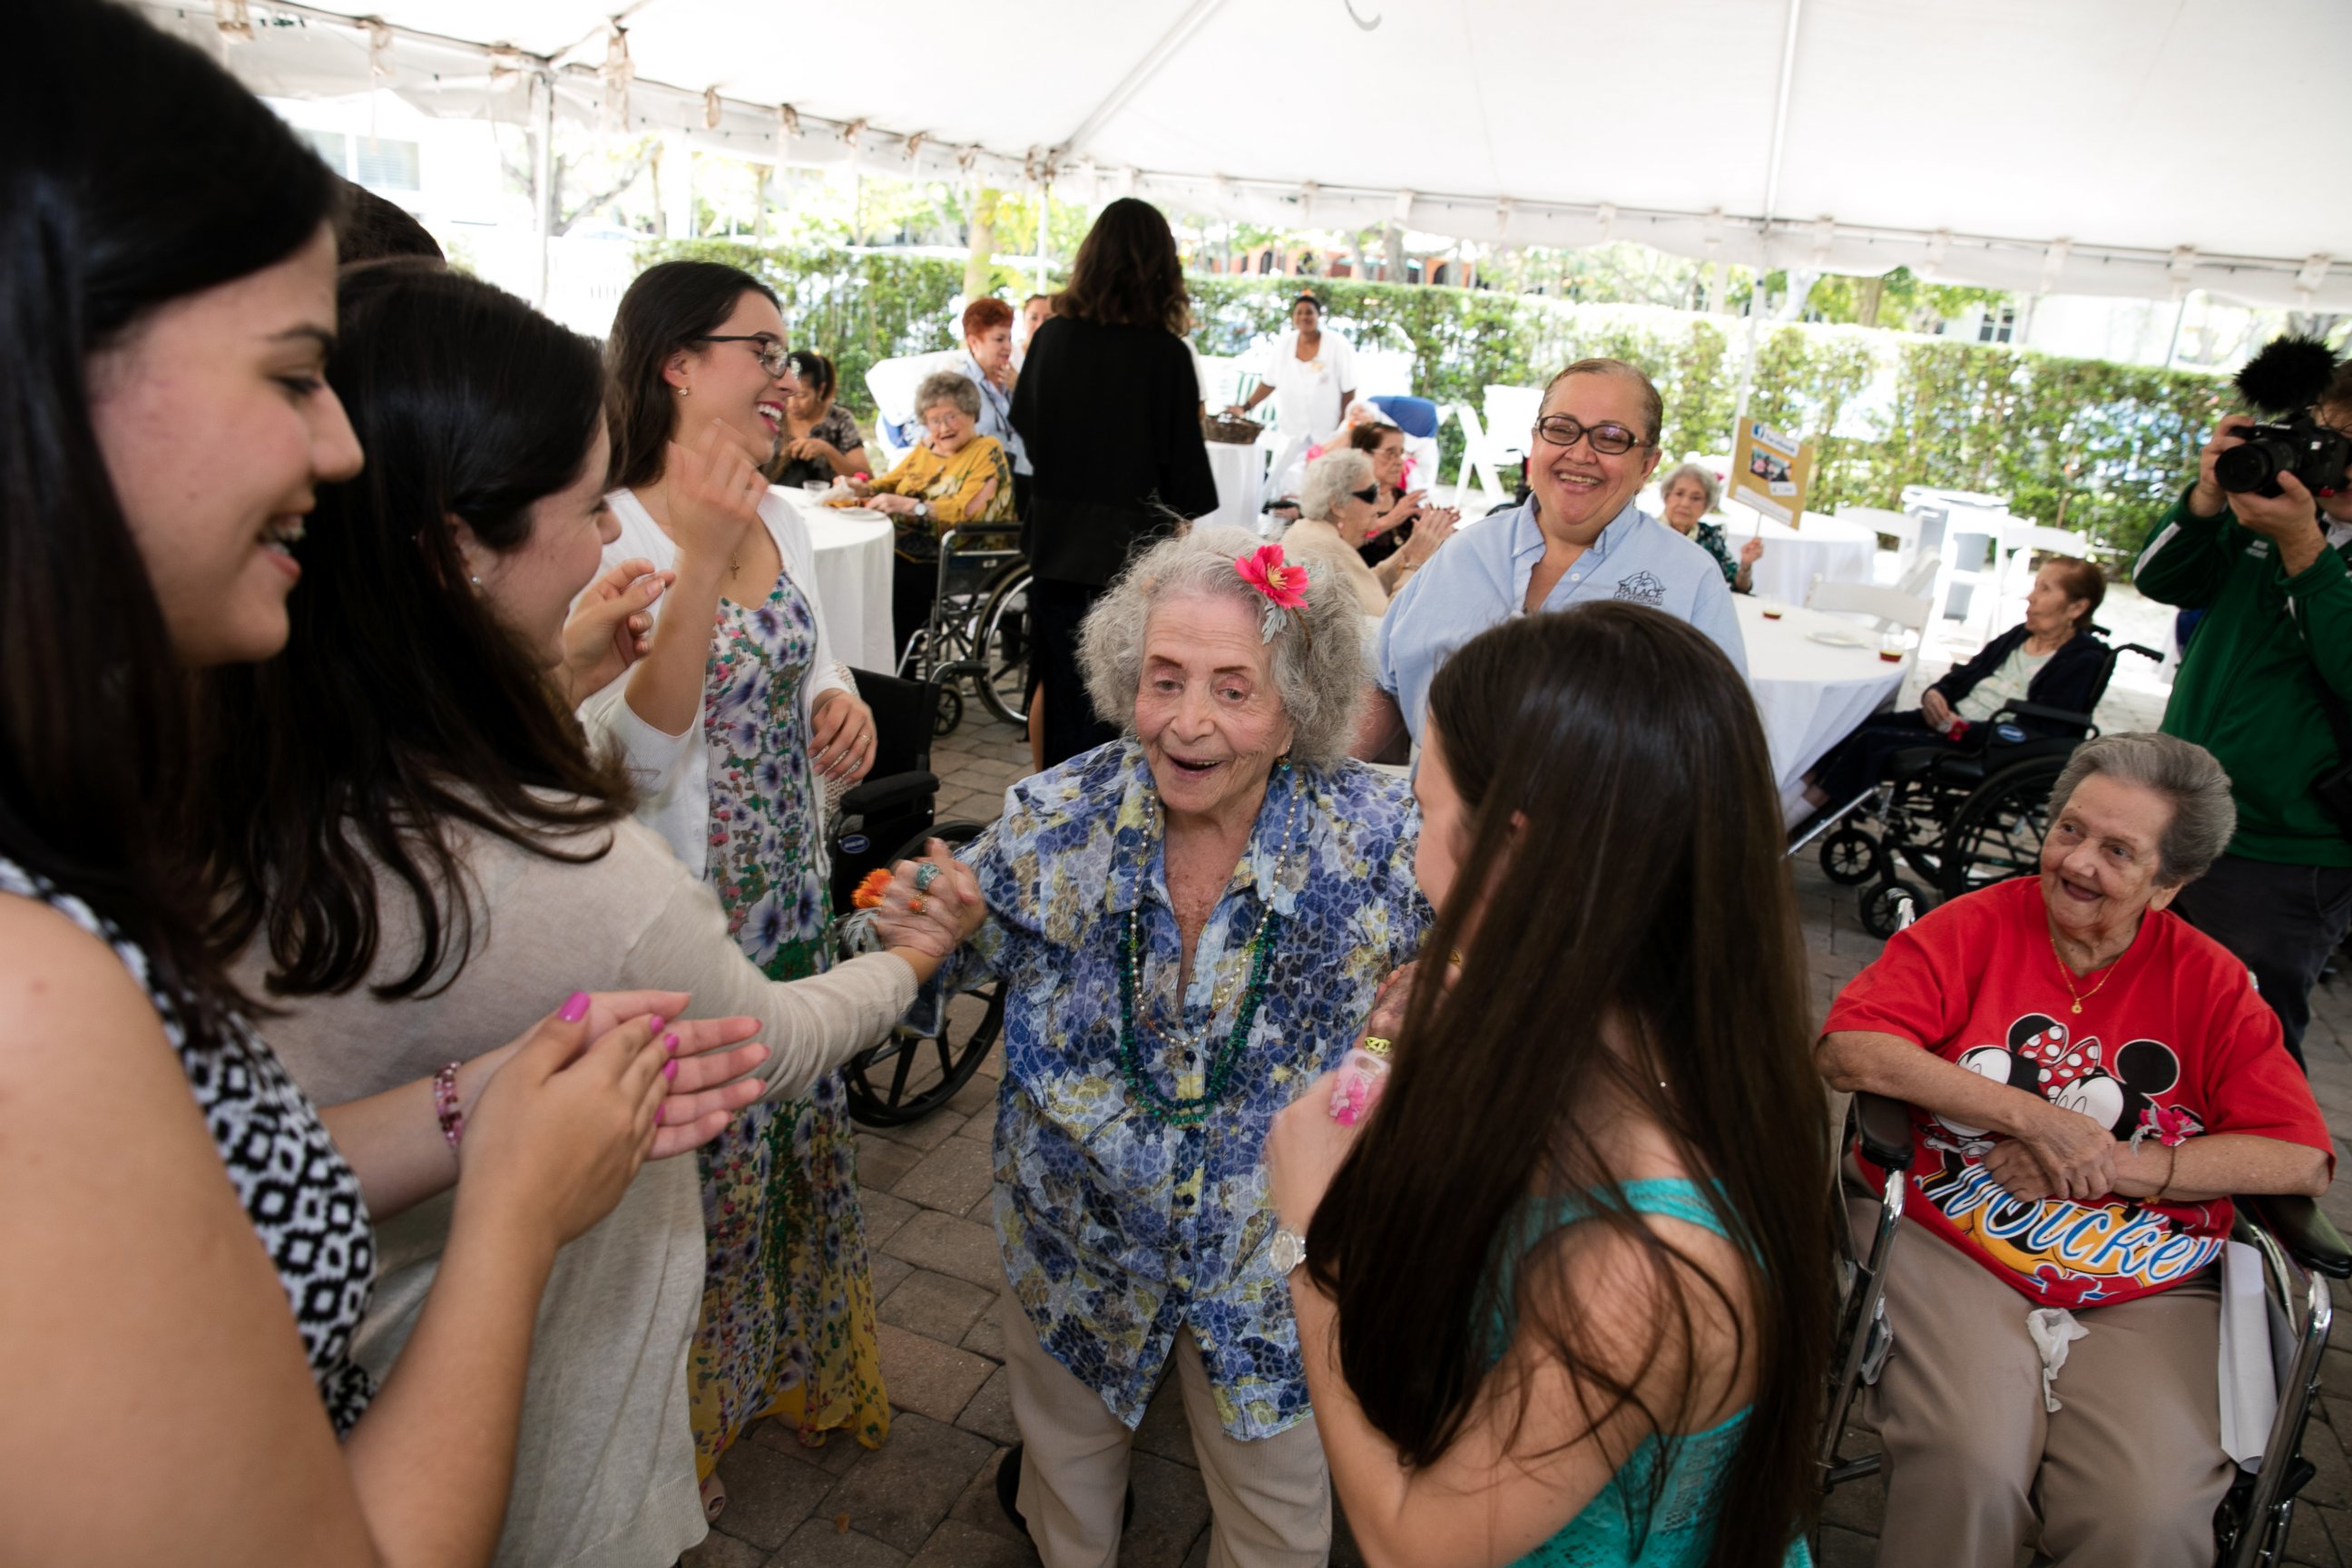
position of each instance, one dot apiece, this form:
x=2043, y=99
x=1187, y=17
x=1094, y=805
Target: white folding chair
x=1511, y=414
x=1987, y=531
x=1918, y=578
x=1888, y=607
x=1899, y=526
x=2030, y=540
x=1480, y=460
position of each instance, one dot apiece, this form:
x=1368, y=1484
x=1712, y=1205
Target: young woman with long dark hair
x=1108, y=407
x=187, y=1238
x=731, y=724
x=1566, y=1291
x=439, y=842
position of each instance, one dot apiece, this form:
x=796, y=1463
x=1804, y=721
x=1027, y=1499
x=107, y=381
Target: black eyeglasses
x=1610, y=440
x=1368, y=495
x=774, y=358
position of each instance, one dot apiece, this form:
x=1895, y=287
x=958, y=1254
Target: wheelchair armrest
x=2309, y=1236
x=2049, y=715
x=893, y=789
x=1882, y=1129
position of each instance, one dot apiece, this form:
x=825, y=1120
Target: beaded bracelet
x=444, y=1105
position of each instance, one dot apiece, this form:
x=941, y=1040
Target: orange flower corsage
x=869, y=892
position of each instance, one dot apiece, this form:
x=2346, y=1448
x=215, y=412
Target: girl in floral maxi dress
x=718, y=728
x=787, y=1308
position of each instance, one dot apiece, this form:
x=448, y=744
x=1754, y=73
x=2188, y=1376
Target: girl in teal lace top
x=1567, y=1291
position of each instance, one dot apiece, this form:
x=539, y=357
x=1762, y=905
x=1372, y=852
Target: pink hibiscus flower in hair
x=1284, y=586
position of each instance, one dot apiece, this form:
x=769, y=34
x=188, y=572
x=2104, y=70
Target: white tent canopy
x=2124, y=147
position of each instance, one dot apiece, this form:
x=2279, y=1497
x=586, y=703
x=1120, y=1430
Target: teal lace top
x=1681, y=1532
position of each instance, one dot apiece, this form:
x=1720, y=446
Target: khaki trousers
x=1270, y=1499
x=2128, y=1472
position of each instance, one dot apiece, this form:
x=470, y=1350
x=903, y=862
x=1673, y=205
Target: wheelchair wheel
x=1005, y=648
x=907, y=1075
x=1997, y=833
x=1882, y=907
x=949, y=715
x=1850, y=856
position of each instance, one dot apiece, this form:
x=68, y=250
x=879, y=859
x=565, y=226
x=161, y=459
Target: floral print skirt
x=787, y=1326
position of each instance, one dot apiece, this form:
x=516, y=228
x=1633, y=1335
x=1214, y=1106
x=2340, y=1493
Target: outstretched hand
x=933, y=905
x=713, y=490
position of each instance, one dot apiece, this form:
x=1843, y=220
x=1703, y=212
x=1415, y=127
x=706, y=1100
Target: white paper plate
x=1840, y=639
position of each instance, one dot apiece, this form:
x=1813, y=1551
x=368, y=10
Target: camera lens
x=2255, y=466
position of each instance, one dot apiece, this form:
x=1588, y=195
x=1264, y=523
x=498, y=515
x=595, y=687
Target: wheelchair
x=884, y=819
x=1955, y=820
x=2301, y=1252
x=979, y=629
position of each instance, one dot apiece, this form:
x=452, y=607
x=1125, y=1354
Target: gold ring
x=915, y=905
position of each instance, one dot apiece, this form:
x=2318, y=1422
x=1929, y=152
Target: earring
x=685, y=390
x=477, y=581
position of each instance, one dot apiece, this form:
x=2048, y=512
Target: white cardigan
x=672, y=773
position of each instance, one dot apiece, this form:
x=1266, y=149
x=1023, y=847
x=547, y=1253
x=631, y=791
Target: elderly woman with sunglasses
x=1338, y=510
x=1578, y=536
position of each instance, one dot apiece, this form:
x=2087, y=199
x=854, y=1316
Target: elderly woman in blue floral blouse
x=1190, y=924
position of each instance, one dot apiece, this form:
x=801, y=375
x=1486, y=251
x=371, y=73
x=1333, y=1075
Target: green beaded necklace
x=1170, y=1111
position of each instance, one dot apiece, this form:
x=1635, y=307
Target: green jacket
x=2248, y=691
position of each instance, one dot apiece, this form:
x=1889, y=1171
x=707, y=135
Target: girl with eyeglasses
x=731, y=723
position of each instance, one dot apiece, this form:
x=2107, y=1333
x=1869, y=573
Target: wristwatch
x=1288, y=1252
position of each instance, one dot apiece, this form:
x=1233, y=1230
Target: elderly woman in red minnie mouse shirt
x=2097, y=1078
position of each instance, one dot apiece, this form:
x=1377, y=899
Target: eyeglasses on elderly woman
x=1369, y=495
x=1610, y=440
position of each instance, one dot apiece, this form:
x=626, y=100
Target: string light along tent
x=2031, y=145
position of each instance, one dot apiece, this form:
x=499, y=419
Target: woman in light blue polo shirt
x=1578, y=538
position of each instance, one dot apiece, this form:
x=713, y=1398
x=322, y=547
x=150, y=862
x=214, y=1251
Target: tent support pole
x=1045, y=206
x=542, y=174
x=1771, y=212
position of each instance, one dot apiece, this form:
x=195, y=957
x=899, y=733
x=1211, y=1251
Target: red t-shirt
x=2175, y=1040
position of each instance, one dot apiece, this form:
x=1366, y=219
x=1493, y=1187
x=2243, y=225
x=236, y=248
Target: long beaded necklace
x=1170, y=1111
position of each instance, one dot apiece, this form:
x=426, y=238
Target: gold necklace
x=2068, y=976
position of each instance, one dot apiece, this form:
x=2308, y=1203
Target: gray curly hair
x=947, y=387
x=1329, y=478
x=2204, y=817
x=1318, y=659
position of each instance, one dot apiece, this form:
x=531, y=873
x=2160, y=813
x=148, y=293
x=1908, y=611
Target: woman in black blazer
x=1109, y=409
x=2050, y=659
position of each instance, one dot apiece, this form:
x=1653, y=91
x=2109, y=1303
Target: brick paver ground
x=927, y=1497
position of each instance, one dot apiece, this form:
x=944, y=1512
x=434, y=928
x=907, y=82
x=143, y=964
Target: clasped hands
x=933, y=905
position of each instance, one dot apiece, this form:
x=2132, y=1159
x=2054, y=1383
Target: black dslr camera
x=2286, y=378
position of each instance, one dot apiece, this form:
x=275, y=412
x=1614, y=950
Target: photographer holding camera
x=2258, y=543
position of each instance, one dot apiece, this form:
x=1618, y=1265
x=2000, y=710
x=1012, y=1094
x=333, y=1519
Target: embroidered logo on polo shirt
x=1642, y=588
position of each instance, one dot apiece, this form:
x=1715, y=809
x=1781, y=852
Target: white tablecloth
x=1825, y=548
x=1238, y=469
x=853, y=579
x=1808, y=694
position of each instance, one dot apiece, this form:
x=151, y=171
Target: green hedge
x=2112, y=442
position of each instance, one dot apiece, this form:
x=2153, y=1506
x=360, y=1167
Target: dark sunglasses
x=1610, y=440
x=774, y=358
x=1368, y=495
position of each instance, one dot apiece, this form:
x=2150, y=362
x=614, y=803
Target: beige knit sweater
x=604, y=1466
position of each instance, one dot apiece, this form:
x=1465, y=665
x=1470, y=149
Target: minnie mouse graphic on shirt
x=2060, y=1252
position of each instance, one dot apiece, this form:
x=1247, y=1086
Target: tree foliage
x=2089, y=445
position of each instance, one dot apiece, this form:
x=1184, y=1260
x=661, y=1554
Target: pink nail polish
x=670, y=1069
x=656, y=1022
x=575, y=1008
x=657, y=1110
x=671, y=1041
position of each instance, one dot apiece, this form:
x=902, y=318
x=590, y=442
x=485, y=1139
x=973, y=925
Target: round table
x=853, y=578
x=1238, y=469
x=1826, y=549
x=1810, y=695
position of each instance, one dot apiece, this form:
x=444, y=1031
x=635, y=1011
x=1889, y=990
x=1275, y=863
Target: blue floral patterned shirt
x=1118, y=1230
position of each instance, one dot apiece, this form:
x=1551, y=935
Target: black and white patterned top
x=303, y=1200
